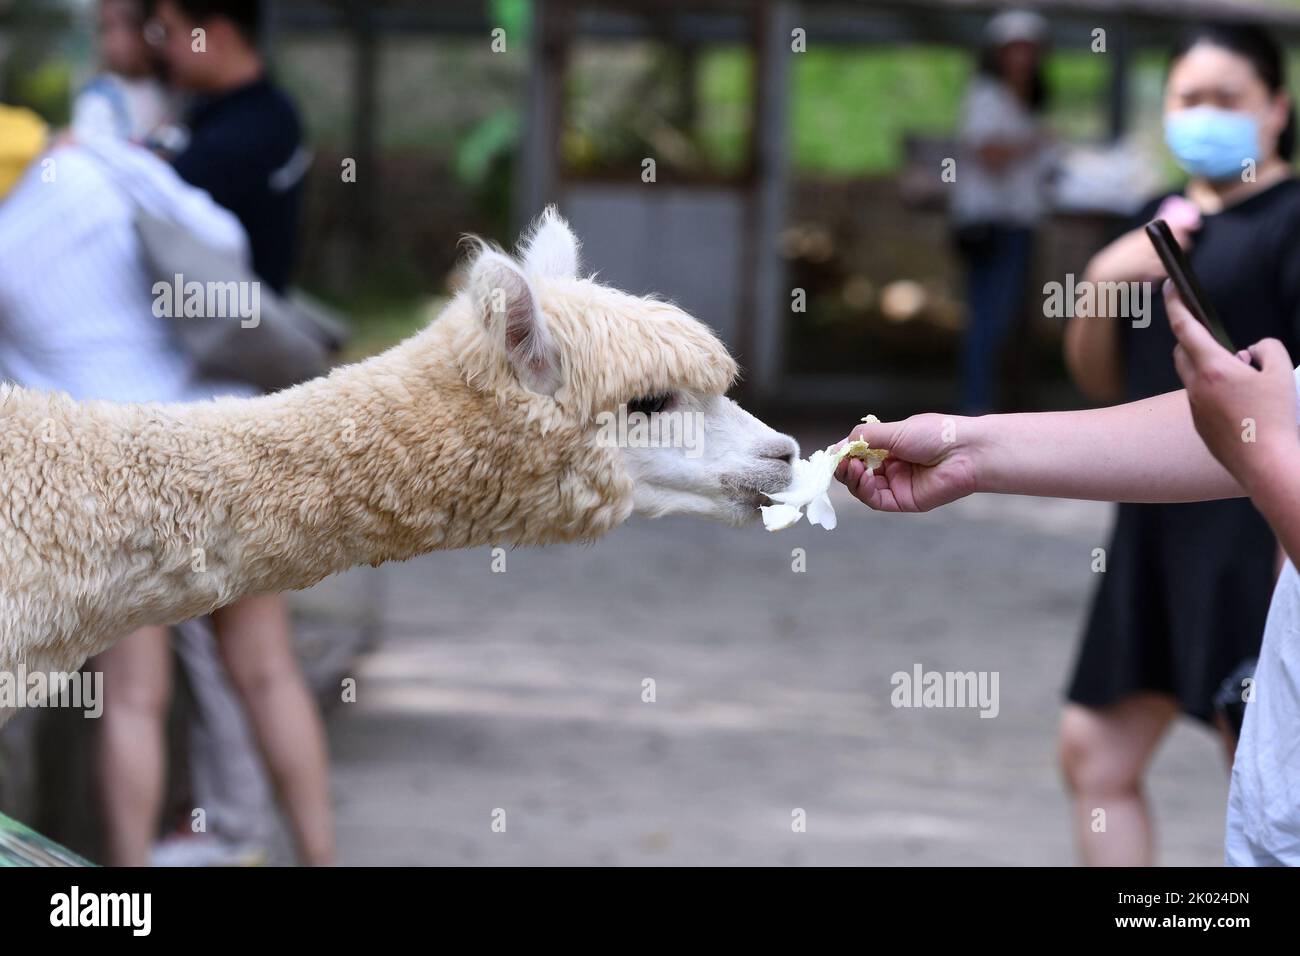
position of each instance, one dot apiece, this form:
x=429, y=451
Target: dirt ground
x=502, y=719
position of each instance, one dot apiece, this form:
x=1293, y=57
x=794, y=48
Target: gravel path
x=523, y=691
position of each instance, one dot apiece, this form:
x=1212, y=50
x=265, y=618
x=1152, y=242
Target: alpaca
x=478, y=430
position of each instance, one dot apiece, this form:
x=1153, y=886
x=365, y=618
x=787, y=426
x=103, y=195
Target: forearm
x=1092, y=356
x=1145, y=451
x=1092, y=345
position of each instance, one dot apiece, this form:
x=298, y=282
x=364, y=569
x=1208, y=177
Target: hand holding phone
x=1184, y=280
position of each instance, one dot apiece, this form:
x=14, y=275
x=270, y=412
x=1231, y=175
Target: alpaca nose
x=784, y=449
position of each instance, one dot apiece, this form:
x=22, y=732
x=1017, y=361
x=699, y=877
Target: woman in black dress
x=1181, y=605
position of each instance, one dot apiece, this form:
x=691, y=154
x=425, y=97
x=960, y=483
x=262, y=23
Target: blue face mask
x=1211, y=142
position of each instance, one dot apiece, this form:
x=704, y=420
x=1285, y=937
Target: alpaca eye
x=649, y=404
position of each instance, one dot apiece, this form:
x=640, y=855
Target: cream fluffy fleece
x=116, y=516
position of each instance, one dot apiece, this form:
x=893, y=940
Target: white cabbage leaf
x=809, y=487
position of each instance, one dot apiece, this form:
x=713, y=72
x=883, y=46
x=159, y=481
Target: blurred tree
x=35, y=69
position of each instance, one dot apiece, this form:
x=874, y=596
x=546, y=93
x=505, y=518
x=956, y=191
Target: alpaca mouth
x=754, y=487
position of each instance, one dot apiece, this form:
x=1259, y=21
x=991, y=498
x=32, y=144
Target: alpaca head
x=641, y=380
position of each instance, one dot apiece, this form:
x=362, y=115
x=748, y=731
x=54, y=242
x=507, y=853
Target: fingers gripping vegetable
x=810, y=486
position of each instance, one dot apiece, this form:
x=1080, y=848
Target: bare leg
x=257, y=644
x=131, y=751
x=1104, y=754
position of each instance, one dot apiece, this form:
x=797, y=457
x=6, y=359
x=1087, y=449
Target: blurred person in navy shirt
x=242, y=139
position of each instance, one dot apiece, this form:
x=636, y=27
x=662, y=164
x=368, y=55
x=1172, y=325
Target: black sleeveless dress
x=1186, y=588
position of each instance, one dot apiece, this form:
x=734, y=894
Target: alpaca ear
x=509, y=308
x=551, y=249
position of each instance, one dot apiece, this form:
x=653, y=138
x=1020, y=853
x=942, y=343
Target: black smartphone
x=1184, y=279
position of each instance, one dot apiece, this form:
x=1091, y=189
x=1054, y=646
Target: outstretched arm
x=1145, y=451
x=1232, y=431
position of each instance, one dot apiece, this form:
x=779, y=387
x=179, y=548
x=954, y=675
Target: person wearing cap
x=999, y=192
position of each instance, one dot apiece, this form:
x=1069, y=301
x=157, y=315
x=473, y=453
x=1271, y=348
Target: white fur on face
x=718, y=464
x=723, y=477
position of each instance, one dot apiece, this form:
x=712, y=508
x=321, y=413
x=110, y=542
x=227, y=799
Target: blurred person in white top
x=127, y=100
x=76, y=315
x=999, y=192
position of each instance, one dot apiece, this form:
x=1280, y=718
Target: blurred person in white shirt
x=76, y=315
x=999, y=194
x=127, y=99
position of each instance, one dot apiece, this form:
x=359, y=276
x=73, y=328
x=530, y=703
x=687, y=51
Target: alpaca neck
x=393, y=458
